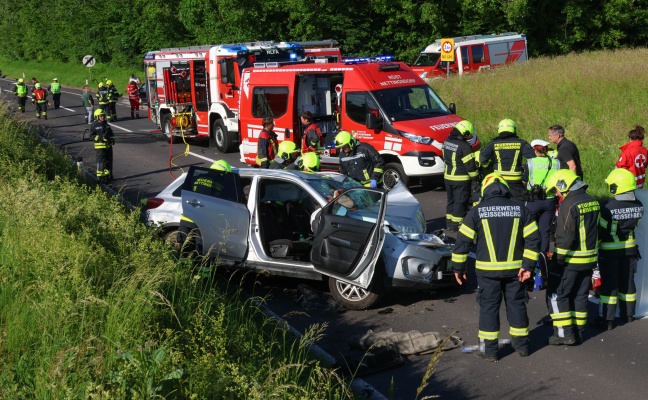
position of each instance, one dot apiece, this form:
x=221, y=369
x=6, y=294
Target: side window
x=358, y=104
x=269, y=101
x=478, y=54
x=200, y=86
x=224, y=185
x=464, y=56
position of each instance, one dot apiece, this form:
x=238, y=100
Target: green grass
x=597, y=96
x=94, y=306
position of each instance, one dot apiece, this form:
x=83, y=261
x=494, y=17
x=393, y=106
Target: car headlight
x=429, y=239
x=417, y=138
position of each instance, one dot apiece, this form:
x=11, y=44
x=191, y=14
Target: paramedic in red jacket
x=267, y=145
x=312, y=138
x=634, y=156
x=134, y=98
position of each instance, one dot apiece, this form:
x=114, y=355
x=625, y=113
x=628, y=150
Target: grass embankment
x=71, y=75
x=598, y=97
x=93, y=306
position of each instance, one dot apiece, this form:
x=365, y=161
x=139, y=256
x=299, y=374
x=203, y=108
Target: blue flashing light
x=293, y=56
x=367, y=59
x=290, y=45
x=234, y=48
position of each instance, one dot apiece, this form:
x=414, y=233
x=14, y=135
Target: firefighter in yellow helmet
x=189, y=240
x=287, y=153
x=102, y=96
x=574, y=257
x=104, y=139
x=505, y=155
x=507, y=245
x=359, y=161
x=618, y=251
x=460, y=173
x=308, y=162
x=20, y=90
x=113, y=97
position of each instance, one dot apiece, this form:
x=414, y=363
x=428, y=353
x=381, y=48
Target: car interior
x=284, y=219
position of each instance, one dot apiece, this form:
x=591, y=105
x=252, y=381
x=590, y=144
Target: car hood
x=404, y=212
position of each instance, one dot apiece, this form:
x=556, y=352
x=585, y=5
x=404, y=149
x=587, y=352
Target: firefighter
x=507, y=245
x=40, y=99
x=20, y=90
x=287, y=153
x=312, y=138
x=134, y=98
x=505, y=154
x=618, y=251
x=102, y=97
x=55, y=90
x=113, y=96
x=267, y=144
x=460, y=173
x=308, y=162
x=574, y=257
x=359, y=161
x=104, y=139
x=189, y=239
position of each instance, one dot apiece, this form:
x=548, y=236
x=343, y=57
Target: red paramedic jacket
x=634, y=158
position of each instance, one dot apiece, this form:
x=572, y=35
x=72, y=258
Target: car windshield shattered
x=326, y=185
x=412, y=102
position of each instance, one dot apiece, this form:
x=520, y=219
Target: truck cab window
x=359, y=104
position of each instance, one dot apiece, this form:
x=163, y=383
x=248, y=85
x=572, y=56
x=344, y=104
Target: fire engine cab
x=383, y=103
x=194, y=91
x=472, y=54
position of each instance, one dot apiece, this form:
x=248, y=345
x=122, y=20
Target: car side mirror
x=287, y=133
x=373, y=122
x=453, y=108
x=224, y=72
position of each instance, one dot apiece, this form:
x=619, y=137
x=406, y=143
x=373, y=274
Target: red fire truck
x=383, y=103
x=472, y=54
x=194, y=91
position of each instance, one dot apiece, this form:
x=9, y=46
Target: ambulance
x=381, y=102
x=472, y=54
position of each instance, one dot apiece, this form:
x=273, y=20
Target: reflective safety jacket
x=577, y=231
x=103, y=134
x=266, y=148
x=617, y=223
x=312, y=138
x=537, y=171
x=113, y=94
x=20, y=90
x=102, y=95
x=459, y=159
x=505, y=154
x=363, y=163
x=505, y=233
x=55, y=88
x=634, y=158
x=40, y=96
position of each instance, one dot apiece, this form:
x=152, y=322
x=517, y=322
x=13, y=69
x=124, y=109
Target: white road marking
x=119, y=127
x=202, y=157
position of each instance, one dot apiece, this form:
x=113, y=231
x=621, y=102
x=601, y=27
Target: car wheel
x=167, y=129
x=221, y=138
x=354, y=297
x=394, y=173
x=172, y=238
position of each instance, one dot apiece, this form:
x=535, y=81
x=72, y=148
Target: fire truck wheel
x=394, y=173
x=221, y=138
x=166, y=128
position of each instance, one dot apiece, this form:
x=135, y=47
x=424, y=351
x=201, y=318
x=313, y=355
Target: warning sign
x=447, y=50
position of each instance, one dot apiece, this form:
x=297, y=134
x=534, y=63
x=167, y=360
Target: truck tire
x=354, y=297
x=394, y=173
x=166, y=128
x=221, y=138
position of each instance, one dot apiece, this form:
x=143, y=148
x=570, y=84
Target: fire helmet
x=506, y=125
x=100, y=85
x=309, y=162
x=562, y=180
x=466, y=128
x=221, y=165
x=37, y=85
x=108, y=82
x=286, y=148
x=99, y=112
x=621, y=181
x=21, y=80
x=492, y=178
x=344, y=138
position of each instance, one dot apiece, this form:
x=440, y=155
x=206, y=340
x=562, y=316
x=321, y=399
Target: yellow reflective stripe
x=579, y=314
x=458, y=178
x=489, y=240
x=488, y=335
x=628, y=296
x=613, y=230
x=498, y=266
x=519, y=331
x=473, y=174
x=602, y=222
x=517, y=153
x=513, y=239
x=531, y=255
x=530, y=228
x=455, y=219
x=609, y=299
x=454, y=163
x=575, y=253
x=583, y=234
x=628, y=244
x=579, y=260
x=465, y=230
x=468, y=158
x=562, y=322
x=459, y=258
x=580, y=322
x=561, y=315
x=366, y=175
x=498, y=166
x=378, y=170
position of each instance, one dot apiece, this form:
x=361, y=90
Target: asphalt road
x=610, y=364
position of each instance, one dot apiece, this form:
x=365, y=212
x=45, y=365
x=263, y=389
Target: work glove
x=373, y=184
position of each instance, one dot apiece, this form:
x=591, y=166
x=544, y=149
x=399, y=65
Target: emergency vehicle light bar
x=367, y=59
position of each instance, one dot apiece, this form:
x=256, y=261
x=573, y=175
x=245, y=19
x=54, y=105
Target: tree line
x=122, y=31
